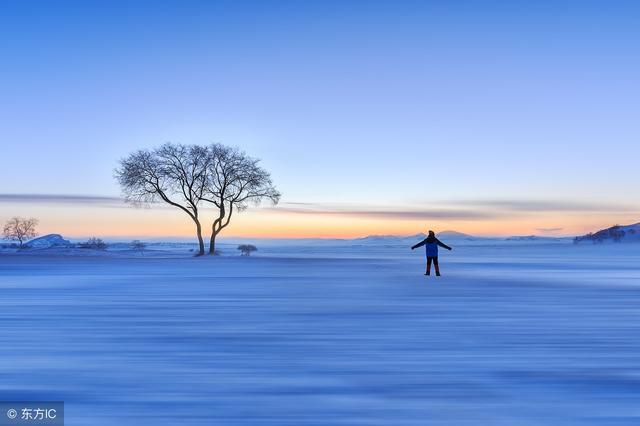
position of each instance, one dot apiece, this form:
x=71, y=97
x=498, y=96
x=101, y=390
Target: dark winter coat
x=431, y=245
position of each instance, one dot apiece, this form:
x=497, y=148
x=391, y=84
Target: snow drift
x=48, y=241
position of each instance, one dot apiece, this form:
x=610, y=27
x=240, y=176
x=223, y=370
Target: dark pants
x=433, y=259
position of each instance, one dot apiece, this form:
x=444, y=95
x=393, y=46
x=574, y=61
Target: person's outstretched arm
x=443, y=245
x=420, y=244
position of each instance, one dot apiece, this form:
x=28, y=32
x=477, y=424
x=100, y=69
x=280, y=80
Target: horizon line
x=222, y=238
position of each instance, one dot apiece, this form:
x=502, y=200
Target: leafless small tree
x=139, y=246
x=174, y=174
x=234, y=182
x=20, y=229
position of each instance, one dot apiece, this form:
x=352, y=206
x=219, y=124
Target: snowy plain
x=334, y=333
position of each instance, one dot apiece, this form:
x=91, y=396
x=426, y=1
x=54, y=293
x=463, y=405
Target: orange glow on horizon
x=78, y=222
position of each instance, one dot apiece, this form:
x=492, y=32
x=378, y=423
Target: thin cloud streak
x=549, y=230
x=537, y=206
x=456, y=210
x=409, y=214
x=60, y=199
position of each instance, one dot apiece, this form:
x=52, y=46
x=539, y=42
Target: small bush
x=247, y=249
x=93, y=244
x=139, y=246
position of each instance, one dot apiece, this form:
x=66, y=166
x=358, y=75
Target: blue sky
x=352, y=105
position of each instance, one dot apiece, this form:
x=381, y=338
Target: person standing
x=431, y=244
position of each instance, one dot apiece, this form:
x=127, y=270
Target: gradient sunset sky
x=374, y=117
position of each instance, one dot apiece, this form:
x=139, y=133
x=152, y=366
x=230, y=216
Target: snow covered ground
x=514, y=333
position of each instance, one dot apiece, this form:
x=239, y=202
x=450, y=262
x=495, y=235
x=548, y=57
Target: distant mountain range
x=528, y=238
x=454, y=236
x=388, y=239
x=391, y=239
x=615, y=234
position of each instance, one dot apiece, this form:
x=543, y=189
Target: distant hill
x=389, y=239
x=523, y=238
x=614, y=234
x=535, y=238
x=454, y=234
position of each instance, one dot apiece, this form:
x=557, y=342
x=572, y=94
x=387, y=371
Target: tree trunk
x=212, y=244
x=216, y=227
x=200, y=240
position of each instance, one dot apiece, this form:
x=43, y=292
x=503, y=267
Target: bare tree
x=234, y=182
x=174, y=174
x=139, y=246
x=20, y=229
